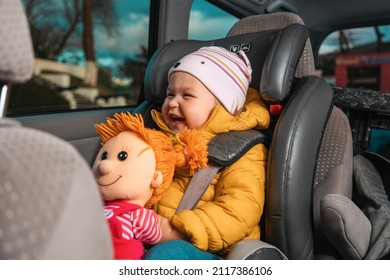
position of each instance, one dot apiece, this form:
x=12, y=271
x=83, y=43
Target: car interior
x=319, y=184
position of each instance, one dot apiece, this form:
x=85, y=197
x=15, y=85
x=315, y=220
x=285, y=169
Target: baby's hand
x=169, y=232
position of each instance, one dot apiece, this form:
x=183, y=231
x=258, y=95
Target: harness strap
x=197, y=186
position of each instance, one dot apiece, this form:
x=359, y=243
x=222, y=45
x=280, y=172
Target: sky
x=133, y=19
x=359, y=36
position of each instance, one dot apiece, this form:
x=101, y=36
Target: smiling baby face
x=188, y=103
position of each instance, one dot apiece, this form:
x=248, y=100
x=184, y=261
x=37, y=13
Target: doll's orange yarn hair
x=189, y=152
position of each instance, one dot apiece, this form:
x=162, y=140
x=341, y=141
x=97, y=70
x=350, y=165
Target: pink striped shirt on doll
x=133, y=168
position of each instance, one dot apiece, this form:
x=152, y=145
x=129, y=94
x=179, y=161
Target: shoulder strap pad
x=226, y=148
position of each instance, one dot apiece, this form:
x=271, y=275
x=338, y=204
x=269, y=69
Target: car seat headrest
x=261, y=49
x=281, y=62
x=17, y=55
x=273, y=21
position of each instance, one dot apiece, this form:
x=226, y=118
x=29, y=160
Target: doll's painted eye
x=122, y=155
x=104, y=155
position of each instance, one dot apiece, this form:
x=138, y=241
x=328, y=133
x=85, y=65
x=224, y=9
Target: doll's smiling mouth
x=106, y=185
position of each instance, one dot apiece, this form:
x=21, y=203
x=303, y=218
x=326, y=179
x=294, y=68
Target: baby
x=209, y=91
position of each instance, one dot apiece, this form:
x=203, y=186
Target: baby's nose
x=173, y=103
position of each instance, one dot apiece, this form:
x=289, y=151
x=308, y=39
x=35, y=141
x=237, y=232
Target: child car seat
x=311, y=151
x=307, y=101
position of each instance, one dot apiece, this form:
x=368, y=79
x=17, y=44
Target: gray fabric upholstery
x=346, y=226
x=335, y=149
x=277, y=21
x=16, y=52
x=371, y=173
x=50, y=207
x=333, y=173
x=361, y=230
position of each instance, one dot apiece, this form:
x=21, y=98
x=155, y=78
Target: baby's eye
x=122, y=155
x=188, y=96
x=169, y=95
x=104, y=155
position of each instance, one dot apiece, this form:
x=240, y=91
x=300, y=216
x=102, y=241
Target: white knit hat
x=226, y=74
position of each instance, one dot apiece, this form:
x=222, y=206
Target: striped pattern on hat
x=226, y=74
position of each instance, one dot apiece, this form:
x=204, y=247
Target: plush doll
x=133, y=168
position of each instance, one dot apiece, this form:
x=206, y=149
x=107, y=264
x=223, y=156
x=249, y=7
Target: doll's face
x=125, y=168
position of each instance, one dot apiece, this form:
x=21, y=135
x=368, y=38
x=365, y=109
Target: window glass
x=89, y=53
x=208, y=22
x=360, y=58
x=357, y=57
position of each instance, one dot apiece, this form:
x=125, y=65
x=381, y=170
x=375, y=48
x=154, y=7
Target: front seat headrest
x=17, y=55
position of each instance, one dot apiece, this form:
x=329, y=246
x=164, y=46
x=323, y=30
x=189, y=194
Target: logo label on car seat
x=245, y=47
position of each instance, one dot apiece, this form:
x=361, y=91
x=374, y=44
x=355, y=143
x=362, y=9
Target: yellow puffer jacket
x=231, y=207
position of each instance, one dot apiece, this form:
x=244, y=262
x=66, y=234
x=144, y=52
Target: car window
x=208, y=22
x=358, y=57
x=89, y=54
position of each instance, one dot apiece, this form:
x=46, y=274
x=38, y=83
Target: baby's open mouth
x=177, y=119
